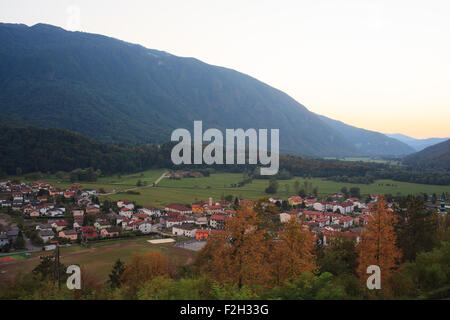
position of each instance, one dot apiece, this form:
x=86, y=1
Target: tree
x=116, y=274
x=237, y=254
x=355, y=192
x=340, y=257
x=293, y=254
x=141, y=269
x=378, y=245
x=417, y=227
x=273, y=186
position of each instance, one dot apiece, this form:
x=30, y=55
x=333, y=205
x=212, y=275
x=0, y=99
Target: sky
x=380, y=65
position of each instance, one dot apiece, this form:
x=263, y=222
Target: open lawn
x=100, y=257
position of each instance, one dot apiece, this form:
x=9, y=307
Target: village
x=61, y=217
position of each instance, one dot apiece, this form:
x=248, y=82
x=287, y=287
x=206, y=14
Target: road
x=30, y=246
x=137, y=188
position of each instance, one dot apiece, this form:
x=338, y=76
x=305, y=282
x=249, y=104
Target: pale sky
x=381, y=65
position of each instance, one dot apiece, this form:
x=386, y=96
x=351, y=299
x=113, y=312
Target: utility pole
x=58, y=271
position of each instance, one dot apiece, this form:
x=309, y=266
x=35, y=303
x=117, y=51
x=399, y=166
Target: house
x=346, y=221
x=201, y=221
x=42, y=198
x=312, y=215
x=145, y=227
x=322, y=221
x=12, y=234
x=276, y=200
x=185, y=229
x=284, y=217
x=101, y=224
x=170, y=222
x=93, y=209
x=46, y=235
x=125, y=204
x=77, y=212
x=41, y=227
x=197, y=208
x=150, y=211
x=214, y=209
x=89, y=233
x=69, y=194
x=59, y=225
x=34, y=214
x=55, y=213
x=109, y=232
x=202, y=234
x=78, y=222
x=126, y=212
x=71, y=235
x=334, y=217
x=310, y=202
x=363, y=219
x=174, y=207
x=217, y=221
x=295, y=200
x=4, y=240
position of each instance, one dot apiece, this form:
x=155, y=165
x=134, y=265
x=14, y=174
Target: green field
x=100, y=257
x=188, y=190
x=115, y=182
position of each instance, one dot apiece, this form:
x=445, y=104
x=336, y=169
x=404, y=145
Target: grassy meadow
x=188, y=190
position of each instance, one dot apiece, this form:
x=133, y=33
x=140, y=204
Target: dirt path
x=137, y=188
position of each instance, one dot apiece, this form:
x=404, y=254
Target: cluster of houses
x=70, y=223
x=330, y=218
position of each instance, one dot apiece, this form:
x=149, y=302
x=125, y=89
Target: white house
x=145, y=227
x=46, y=235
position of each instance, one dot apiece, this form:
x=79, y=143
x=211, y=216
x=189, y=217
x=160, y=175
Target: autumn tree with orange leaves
x=378, y=245
x=144, y=267
x=293, y=253
x=237, y=254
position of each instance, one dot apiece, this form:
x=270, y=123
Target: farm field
x=116, y=182
x=188, y=190
x=100, y=257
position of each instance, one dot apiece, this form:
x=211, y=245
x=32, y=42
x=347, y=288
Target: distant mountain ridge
x=417, y=144
x=369, y=142
x=118, y=92
x=435, y=157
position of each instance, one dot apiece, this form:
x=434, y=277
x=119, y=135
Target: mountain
x=369, y=142
x=416, y=144
x=118, y=92
x=435, y=157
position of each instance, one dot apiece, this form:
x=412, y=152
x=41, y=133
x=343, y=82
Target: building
x=109, y=232
x=71, y=235
x=46, y=235
x=202, y=234
x=185, y=229
x=178, y=208
x=295, y=200
x=217, y=221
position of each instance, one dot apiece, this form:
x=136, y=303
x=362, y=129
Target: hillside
x=416, y=144
x=436, y=157
x=25, y=150
x=369, y=142
x=118, y=92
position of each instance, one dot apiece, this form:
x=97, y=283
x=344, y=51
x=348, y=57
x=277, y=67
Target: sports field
x=99, y=258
